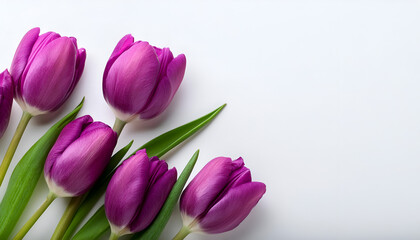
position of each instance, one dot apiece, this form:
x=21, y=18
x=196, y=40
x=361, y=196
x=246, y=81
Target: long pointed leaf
x=156, y=147
x=26, y=174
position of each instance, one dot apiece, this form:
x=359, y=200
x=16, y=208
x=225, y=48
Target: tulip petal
x=214, y=176
x=69, y=134
x=125, y=43
x=166, y=88
x=21, y=57
x=80, y=64
x=231, y=210
x=83, y=161
x=175, y=72
x=155, y=198
x=132, y=78
x=40, y=43
x=165, y=57
x=126, y=189
x=51, y=75
x=6, y=100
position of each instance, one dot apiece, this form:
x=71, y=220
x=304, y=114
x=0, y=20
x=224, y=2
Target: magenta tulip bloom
x=141, y=80
x=79, y=157
x=45, y=70
x=6, y=100
x=136, y=193
x=220, y=197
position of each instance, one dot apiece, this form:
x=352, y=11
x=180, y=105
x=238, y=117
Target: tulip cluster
x=139, y=81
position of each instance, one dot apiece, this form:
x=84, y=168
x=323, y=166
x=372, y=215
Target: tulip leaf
x=156, y=147
x=155, y=229
x=94, y=228
x=98, y=223
x=26, y=174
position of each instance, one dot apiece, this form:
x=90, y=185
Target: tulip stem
x=24, y=120
x=113, y=236
x=67, y=217
x=118, y=126
x=28, y=225
x=182, y=233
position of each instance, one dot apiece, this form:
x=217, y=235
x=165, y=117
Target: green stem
x=118, y=126
x=67, y=217
x=25, y=229
x=113, y=236
x=182, y=233
x=24, y=120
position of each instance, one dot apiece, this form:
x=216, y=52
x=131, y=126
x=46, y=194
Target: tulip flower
x=77, y=159
x=136, y=193
x=140, y=80
x=6, y=100
x=219, y=198
x=45, y=71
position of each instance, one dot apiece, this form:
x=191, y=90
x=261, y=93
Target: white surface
x=323, y=104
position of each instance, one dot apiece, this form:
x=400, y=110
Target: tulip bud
x=6, y=100
x=220, y=197
x=79, y=156
x=141, y=80
x=45, y=70
x=136, y=193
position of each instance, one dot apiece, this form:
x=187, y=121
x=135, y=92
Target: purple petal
x=155, y=198
x=80, y=65
x=165, y=57
x=83, y=161
x=126, y=189
x=176, y=71
x=166, y=89
x=6, y=100
x=50, y=76
x=230, y=211
x=40, y=43
x=21, y=56
x=132, y=78
x=125, y=43
x=68, y=135
x=206, y=186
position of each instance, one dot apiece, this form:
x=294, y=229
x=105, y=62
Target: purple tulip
x=6, y=100
x=45, y=70
x=220, y=197
x=141, y=80
x=136, y=193
x=79, y=156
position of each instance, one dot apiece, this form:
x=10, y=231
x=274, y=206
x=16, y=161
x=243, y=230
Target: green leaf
x=98, y=223
x=156, y=147
x=26, y=174
x=165, y=142
x=155, y=229
x=95, y=227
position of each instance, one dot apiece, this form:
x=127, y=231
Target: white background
x=323, y=104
